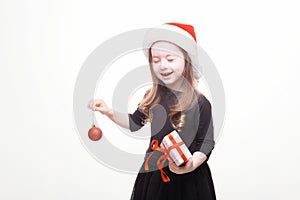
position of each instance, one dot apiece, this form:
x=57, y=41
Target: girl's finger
x=97, y=103
x=90, y=104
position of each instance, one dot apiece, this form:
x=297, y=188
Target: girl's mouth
x=165, y=75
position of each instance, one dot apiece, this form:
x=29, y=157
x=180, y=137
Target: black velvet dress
x=197, y=134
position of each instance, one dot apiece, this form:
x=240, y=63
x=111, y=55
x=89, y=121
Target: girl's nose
x=163, y=64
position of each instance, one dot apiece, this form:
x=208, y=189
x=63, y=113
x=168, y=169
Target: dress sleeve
x=205, y=134
x=136, y=120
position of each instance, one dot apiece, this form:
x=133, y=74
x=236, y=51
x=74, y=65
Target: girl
x=172, y=103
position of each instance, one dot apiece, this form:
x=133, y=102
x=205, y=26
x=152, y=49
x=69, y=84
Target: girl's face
x=168, y=63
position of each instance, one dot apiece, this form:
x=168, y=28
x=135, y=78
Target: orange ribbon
x=161, y=161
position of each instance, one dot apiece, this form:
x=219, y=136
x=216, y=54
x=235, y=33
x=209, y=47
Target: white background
x=254, y=44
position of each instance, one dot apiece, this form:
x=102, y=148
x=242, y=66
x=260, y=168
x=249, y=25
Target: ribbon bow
x=161, y=161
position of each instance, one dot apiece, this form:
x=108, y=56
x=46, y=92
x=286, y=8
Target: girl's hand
x=195, y=161
x=100, y=106
x=188, y=167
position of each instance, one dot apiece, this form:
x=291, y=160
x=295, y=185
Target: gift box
x=176, y=148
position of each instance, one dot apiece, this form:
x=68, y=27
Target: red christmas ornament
x=95, y=133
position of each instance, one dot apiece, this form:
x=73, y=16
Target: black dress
x=197, y=134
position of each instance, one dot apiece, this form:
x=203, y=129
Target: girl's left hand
x=188, y=167
x=195, y=161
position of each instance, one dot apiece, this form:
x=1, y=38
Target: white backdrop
x=255, y=45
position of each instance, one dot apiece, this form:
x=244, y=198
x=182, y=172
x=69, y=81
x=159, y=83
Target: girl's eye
x=170, y=60
x=155, y=61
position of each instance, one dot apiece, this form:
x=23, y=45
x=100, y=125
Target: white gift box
x=178, y=151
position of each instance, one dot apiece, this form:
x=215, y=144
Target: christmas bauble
x=95, y=133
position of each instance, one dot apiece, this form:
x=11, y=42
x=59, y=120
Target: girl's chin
x=169, y=82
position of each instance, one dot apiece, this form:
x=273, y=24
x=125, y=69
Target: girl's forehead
x=165, y=48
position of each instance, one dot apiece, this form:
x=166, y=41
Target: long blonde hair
x=186, y=100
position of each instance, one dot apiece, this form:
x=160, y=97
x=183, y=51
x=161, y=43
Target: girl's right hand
x=100, y=106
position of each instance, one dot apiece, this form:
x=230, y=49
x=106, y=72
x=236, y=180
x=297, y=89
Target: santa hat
x=183, y=35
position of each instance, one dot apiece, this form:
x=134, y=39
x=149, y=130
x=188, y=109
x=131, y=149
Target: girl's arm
x=120, y=119
x=204, y=140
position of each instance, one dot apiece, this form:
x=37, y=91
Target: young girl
x=172, y=103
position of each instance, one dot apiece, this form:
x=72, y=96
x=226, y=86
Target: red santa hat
x=183, y=35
